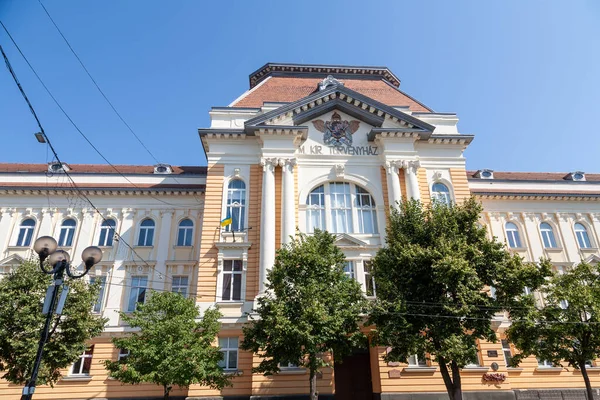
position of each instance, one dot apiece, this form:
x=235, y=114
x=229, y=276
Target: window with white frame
x=582, y=236
x=100, y=300
x=146, y=234
x=180, y=285
x=137, y=292
x=232, y=280
x=107, y=232
x=123, y=354
x=229, y=348
x=507, y=351
x=185, y=232
x=548, y=235
x=564, y=304
x=349, y=269
x=83, y=365
x=26, y=232
x=350, y=208
x=67, y=232
x=512, y=235
x=544, y=363
x=236, y=205
x=441, y=193
x=417, y=361
x=369, y=278
x=315, y=210
x=476, y=361
x=526, y=291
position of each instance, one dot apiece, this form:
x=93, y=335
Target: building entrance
x=353, y=377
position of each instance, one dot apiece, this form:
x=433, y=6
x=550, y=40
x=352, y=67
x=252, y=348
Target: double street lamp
x=59, y=261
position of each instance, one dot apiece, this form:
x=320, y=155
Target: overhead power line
x=97, y=86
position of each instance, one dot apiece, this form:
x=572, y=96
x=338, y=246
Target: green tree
x=310, y=307
x=433, y=282
x=22, y=294
x=567, y=326
x=172, y=347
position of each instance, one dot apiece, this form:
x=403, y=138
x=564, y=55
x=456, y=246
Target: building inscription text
x=350, y=150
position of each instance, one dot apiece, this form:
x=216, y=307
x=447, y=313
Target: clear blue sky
x=521, y=75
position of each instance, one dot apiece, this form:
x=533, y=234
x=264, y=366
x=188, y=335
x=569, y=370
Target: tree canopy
x=566, y=324
x=434, y=278
x=172, y=347
x=22, y=294
x=310, y=308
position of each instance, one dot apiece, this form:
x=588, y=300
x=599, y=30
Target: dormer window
x=163, y=169
x=485, y=174
x=576, y=176
x=58, y=167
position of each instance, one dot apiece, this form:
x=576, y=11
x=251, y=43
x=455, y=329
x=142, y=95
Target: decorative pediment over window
x=593, y=259
x=343, y=240
x=12, y=260
x=337, y=97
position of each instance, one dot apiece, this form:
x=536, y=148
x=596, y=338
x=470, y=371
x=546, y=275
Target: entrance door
x=353, y=377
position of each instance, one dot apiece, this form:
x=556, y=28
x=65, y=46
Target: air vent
x=575, y=176
x=55, y=167
x=485, y=174
x=163, y=169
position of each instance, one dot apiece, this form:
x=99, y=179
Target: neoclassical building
x=305, y=147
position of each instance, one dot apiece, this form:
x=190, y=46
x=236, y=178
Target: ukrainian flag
x=227, y=220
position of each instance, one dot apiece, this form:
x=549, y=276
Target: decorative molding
x=269, y=163
x=411, y=166
x=393, y=166
x=330, y=80
x=164, y=213
x=340, y=170
x=220, y=257
x=236, y=172
x=437, y=176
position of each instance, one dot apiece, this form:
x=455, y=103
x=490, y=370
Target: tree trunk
x=447, y=379
x=166, y=390
x=313, y=385
x=456, y=381
x=586, y=379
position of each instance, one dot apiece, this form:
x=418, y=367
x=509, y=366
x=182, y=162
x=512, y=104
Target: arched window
x=441, y=193
x=582, y=236
x=236, y=205
x=67, y=232
x=548, y=235
x=185, y=232
x=26, y=232
x=107, y=232
x=350, y=207
x=512, y=234
x=146, y=236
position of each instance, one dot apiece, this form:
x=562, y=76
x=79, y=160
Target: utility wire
x=43, y=132
x=75, y=125
x=96, y=84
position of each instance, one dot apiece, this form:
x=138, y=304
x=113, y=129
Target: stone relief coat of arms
x=337, y=132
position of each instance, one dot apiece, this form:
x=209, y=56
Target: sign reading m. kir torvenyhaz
x=337, y=135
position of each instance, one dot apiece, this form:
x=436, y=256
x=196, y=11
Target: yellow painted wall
x=423, y=186
x=460, y=184
x=384, y=191
x=255, y=209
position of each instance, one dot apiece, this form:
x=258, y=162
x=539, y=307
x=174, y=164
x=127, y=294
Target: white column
x=162, y=252
x=412, y=182
x=46, y=227
x=5, y=222
x=288, y=202
x=86, y=233
x=532, y=238
x=595, y=218
x=569, y=240
x=394, y=190
x=267, y=221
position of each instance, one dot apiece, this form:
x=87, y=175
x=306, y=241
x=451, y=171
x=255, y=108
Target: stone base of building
x=529, y=394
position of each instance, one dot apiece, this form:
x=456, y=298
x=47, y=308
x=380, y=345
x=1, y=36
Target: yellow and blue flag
x=227, y=220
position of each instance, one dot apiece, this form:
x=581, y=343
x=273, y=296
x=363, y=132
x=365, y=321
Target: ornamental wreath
x=494, y=377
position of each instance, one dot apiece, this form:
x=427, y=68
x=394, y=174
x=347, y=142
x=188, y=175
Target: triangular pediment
x=12, y=260
x=338, y=97
x=593, y=259
x=345, y=240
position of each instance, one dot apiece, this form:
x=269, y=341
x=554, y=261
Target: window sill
x=475, y=369
x=77, y=378
x=143, y=247
x=292, y=371
x=518, y=248
x=17, y=247
x=514, y=369
x=589, y=249
x=416, y=369
x=230, y=304
x=553, y=249
x=549, y=369
x=233, y=372
x=183, y=247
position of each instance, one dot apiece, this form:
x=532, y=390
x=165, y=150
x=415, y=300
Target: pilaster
x=267, y=226
x=288, y=208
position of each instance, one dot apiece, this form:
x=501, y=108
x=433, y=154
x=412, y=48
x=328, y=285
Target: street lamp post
x=59, y=260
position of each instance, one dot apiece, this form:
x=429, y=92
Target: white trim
x=247, y=92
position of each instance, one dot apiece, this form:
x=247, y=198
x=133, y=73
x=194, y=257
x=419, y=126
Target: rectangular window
x=564, y=304
x=548, y=238
x=544, y=363
x=229, y=348
x=417, y=361
x=507, y=352
x=232, y=280
x=84, y=363
x=180, y=285
x=137, y=294
x=123, y=354
x=367, y=214
x=349, y=269
x=98, y=304
x=341, y=207
x=513, y=239
x=475, y=362
x=315, y=210
x=369, y=279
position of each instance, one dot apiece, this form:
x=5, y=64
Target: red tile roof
x=279, y=89
x=101, y=169
x=534, y=176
